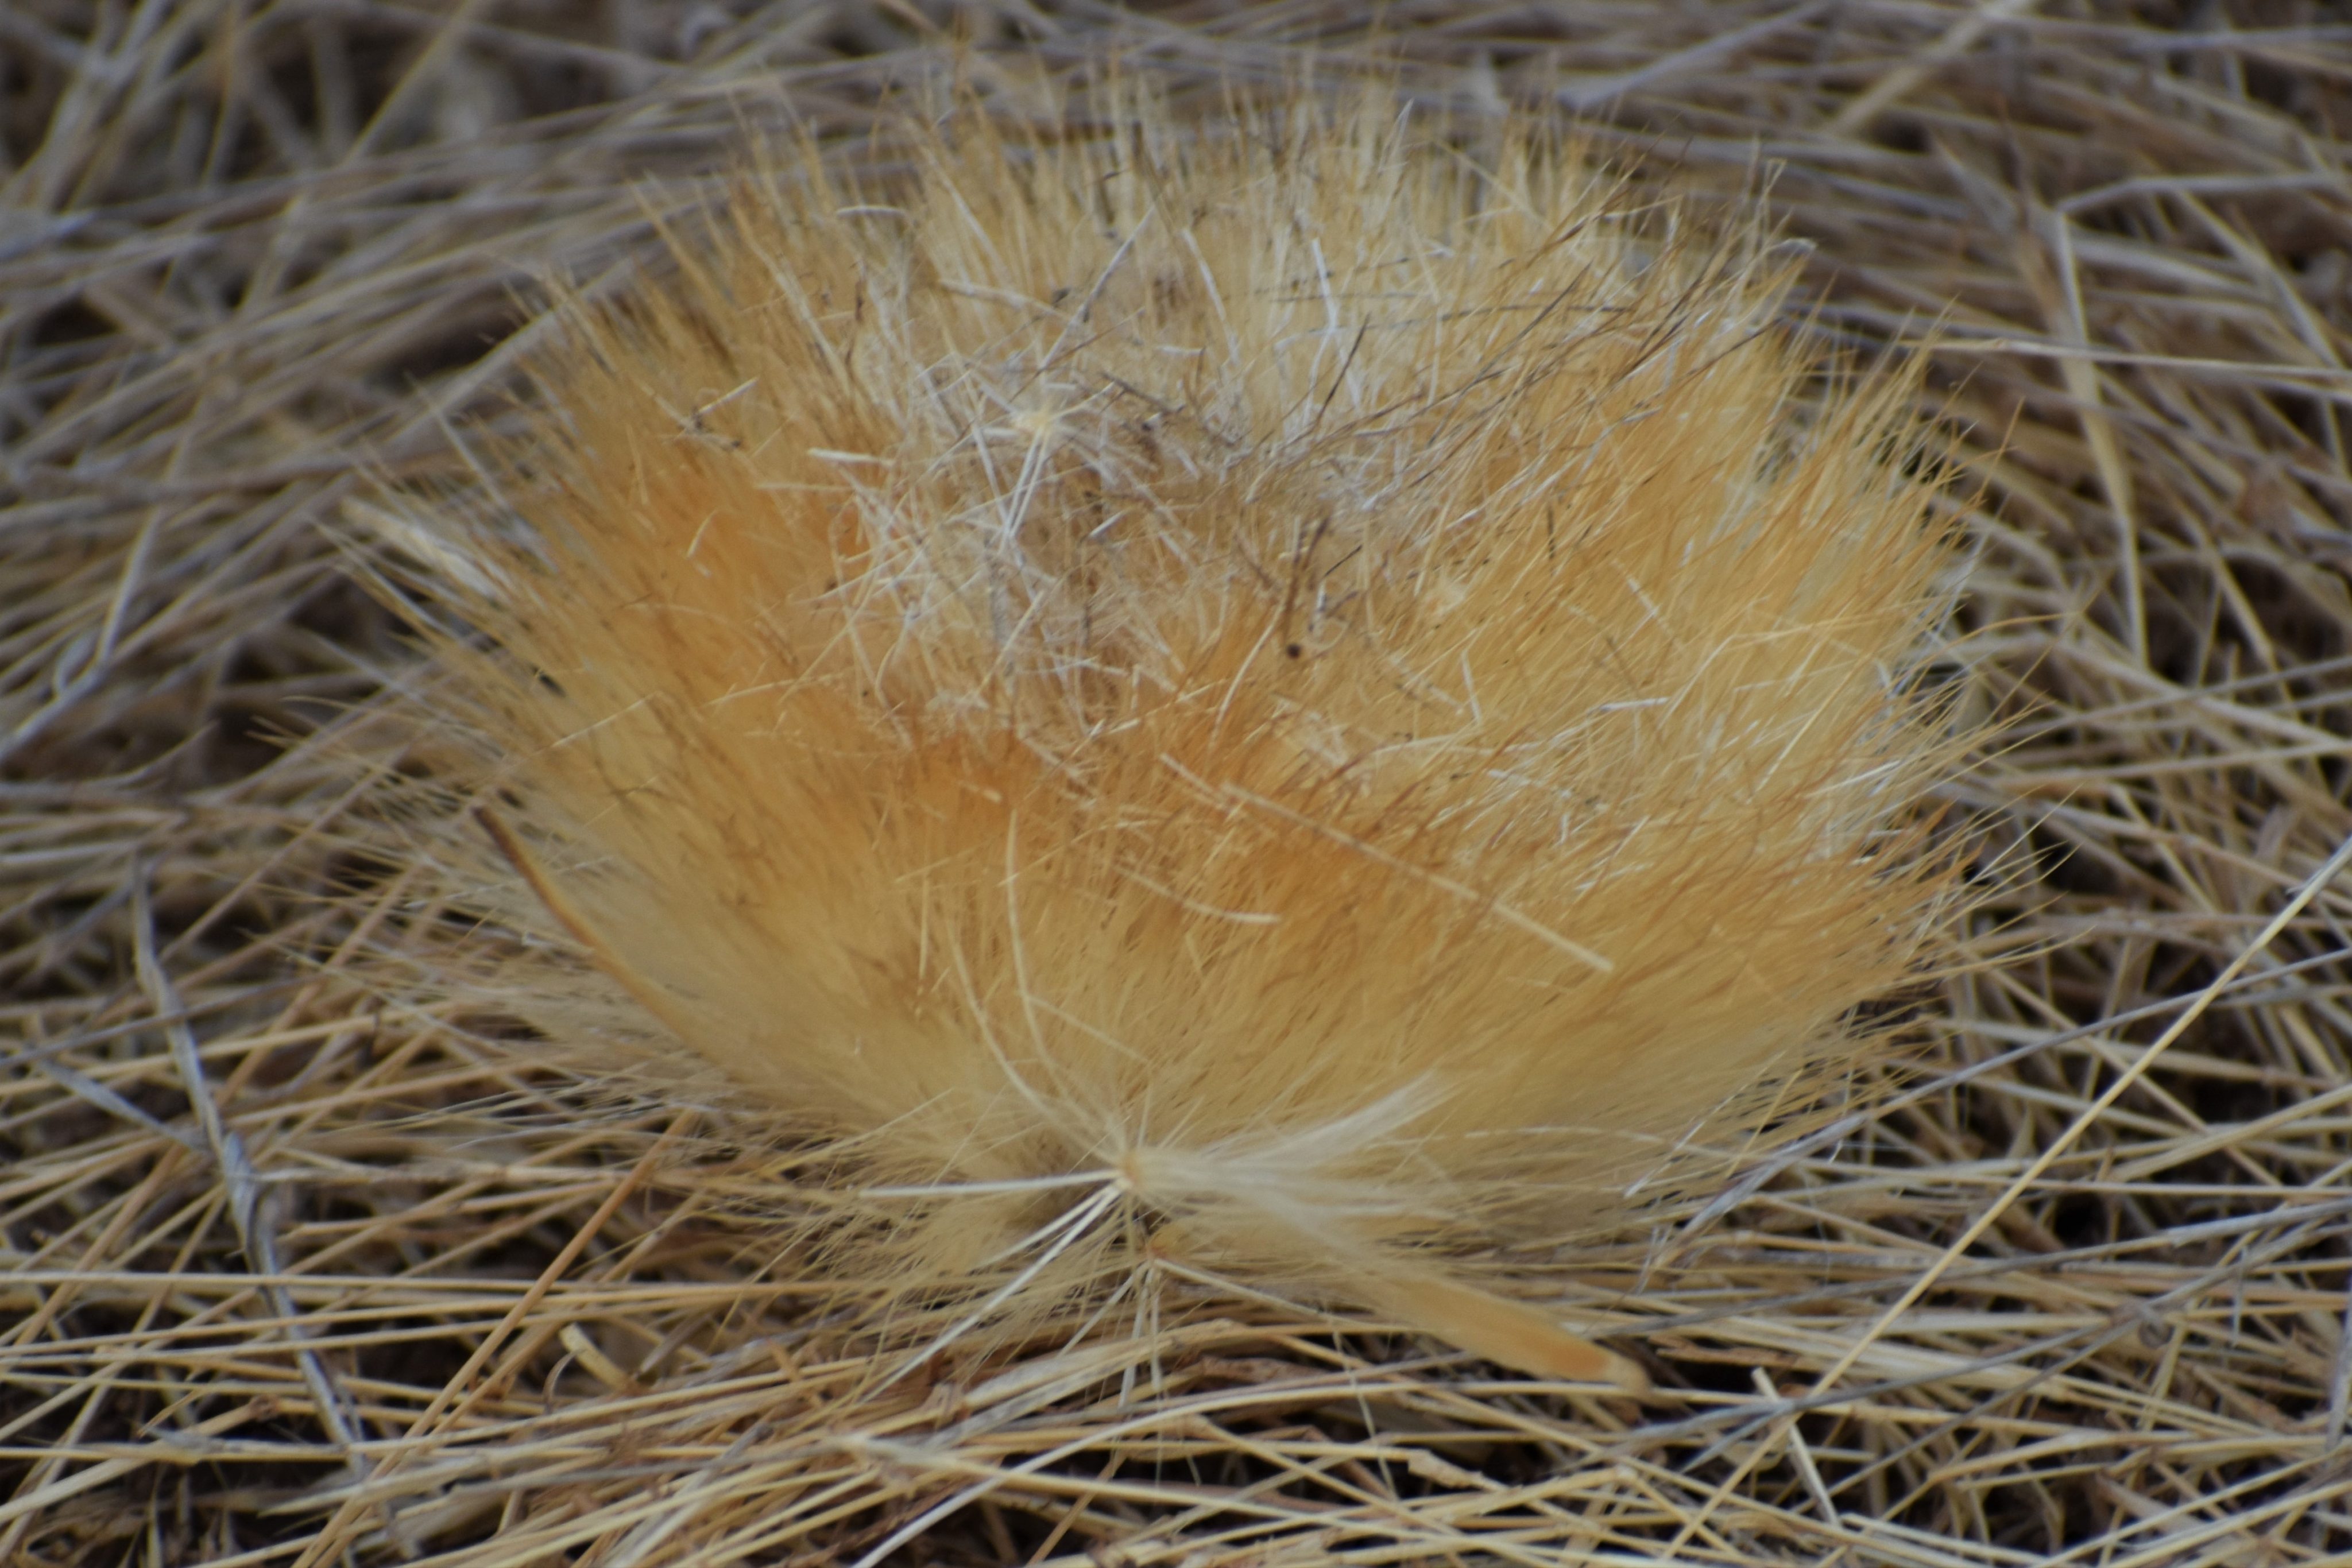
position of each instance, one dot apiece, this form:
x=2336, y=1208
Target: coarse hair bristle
x=1301, y=698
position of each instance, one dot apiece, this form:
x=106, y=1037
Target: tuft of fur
x=1291, y=696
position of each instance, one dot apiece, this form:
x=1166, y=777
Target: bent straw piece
x=575, y=925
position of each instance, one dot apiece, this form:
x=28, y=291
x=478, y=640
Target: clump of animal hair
x=1290, y=695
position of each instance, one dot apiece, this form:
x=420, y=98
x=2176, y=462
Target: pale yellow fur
x=1320, y=692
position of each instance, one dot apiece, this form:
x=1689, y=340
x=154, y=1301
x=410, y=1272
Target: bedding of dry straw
x=291, y=1272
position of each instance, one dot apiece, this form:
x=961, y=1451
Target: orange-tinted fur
x=1311, y=682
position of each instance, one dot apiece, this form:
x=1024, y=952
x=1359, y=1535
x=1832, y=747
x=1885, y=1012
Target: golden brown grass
x=391, y=1283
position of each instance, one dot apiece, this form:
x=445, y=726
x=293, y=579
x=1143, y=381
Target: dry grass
x=389, y=1286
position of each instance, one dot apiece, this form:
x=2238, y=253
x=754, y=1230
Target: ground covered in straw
x=292, y=1272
